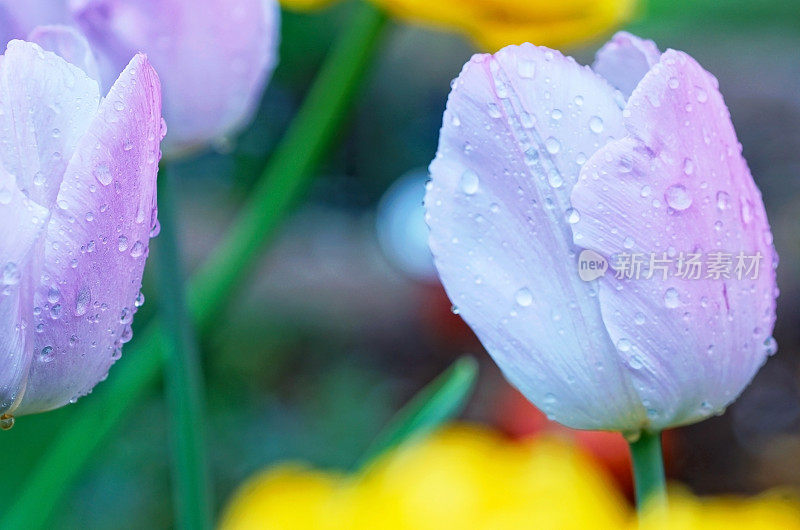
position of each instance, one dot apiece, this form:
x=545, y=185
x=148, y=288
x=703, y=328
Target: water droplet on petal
x=524, y=297
x=671, y=298
x=137, y=250
x=82, y=301
x=596, y=124
x=469, y=182
x=723, y=201
x=677, y=197
x=103, y=173
x=10, y=274
x=572, y=215
x=552, y=145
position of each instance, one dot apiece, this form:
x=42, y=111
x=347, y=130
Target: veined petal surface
x=518, y=126
x=678, y=185
x=96, y=243
x=21, y=224
x=47, y=105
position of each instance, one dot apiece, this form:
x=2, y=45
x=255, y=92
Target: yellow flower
x=463, y=477
x=470, y=478
x=285, y=497
x=764, y=512
x=497, y=23
x=305, y=5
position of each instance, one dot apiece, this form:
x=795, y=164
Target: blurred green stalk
x=284, y=180
x=440, y=401
x=648, y=471
x=183, y=379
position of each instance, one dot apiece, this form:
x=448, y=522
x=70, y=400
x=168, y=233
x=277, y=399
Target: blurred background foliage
x=330, y=337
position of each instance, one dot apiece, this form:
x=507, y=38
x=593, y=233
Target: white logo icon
x=591, y=265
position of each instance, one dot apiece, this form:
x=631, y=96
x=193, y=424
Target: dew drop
x=671, y=298
x=688, y=166
x=82, y=301
x=572, y=215
x=103, y=173
x=723, y=201
x=10, y=274
x=677, y=197
x=552, y=145
x=137, y=250
x=596, y=124
x=469, y=182
x=770, y=346
x=524, y=297
x=6, y=422
x=46, y=354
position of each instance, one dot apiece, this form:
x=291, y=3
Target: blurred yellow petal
x=764, y=512
x=305, y=5
x=468, y=477
x=287, y=497
x=497, y=23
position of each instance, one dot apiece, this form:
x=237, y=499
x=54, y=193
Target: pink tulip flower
x=214, y=56
x=77, y=209
x=601, y=233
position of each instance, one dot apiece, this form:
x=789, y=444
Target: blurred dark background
x=333, y=333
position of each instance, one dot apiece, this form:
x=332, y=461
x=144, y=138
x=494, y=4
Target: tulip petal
x=97, y=242
x=517, y=127
x=68, y=44
x=691, y=345
x=213, y=57
x=19, y=17
x=21, y=223
x=36, y=141
x=624, y=61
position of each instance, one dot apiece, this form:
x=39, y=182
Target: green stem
x=281, y=185
x=291, y=166
x=648, y=470
x=183, y=375
x=441, y=400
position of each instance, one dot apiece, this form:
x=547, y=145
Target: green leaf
x=441, y=400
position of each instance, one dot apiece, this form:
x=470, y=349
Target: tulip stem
x=283, y=182
x=183, y=376
x=648, y=470
x=291, y=167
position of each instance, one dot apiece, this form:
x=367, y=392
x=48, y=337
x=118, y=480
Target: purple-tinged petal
x=213, y=56
x=47, y=105
x=70, y=45
x=624, y=60
x=21, y=223
x=678, y=184
x=96, y=243
x=517, y=128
